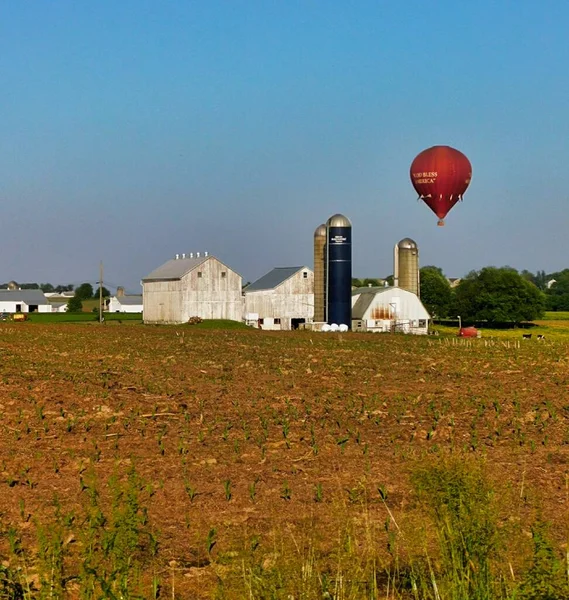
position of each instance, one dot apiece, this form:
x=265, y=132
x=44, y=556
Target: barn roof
x=273, y=279
x=366, y=296
x=175, y=268
x=26, y=296
x=361, y=305
x=131, y=300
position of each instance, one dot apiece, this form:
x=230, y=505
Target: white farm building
x=194, y=286
x=25, y=301
x=125, y=304
x=388, y=309
x=282, y=299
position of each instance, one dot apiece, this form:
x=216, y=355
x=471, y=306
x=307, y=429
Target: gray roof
x=26, y=296
x=175, y=268
x=130, y=300
x=367, y=294
x=273, y=278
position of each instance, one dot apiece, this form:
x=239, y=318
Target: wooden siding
x=292, y=299
x=209, y=296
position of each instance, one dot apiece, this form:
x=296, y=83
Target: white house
x=383, y=309
x=282, y=299
x=192, y=286
x=26, y=301
x=125, y=304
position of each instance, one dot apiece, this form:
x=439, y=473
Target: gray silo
x=406, y=266
x=339, y=270
x=320, y=274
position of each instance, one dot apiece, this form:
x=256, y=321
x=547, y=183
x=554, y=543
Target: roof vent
x=205, y=253
x=197, y=254
x=191, y=255
x=184, y=255
x=177, y=256
x=369, y=285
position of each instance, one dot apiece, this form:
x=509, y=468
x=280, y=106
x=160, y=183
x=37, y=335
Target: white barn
x=198, y=286
x=125, y=304
x=25, y=301
x=282, y=299
x=388, y=309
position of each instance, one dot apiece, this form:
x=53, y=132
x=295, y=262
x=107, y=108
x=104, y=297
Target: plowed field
x=251, y=445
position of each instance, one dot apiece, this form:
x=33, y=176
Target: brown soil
x=275, y=415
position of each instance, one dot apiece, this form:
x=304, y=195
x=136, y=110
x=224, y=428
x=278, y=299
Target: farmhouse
x=125, y=304
x=192, y=286
x=282, y=299
x=383, y=309
x=25, y=301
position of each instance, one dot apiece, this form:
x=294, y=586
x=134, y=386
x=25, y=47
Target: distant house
x=194, y=286
x=282, y=299
x=58, y=307
x=126, y=304
x=25, y=301
x=59, y=296
x=388, y=309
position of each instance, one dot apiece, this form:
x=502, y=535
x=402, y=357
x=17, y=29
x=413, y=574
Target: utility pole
x=101, y=292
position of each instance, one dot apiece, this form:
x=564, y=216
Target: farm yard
x=181, y=462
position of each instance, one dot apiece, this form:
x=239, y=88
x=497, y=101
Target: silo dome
x=338, y=221
x=407, y=243
x=320, y=231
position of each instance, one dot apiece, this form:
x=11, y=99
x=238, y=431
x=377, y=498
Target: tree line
x=492, y=294
x=85, y=291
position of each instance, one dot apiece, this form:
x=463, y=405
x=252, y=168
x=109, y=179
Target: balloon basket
x=441, y=223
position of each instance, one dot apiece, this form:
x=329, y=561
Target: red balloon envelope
x=441, y=175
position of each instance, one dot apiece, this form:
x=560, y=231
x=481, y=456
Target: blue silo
x=339, y=270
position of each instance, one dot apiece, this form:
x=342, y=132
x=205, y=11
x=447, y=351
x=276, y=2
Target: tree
x=436, y=293
x=46, y=288
x=84, y=291
x=64, y=288
x=74, y=304
x=558, y=294
x=106, y=293
x=498, y=295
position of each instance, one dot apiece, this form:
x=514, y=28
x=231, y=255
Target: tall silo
x=406, y=266
x=320, y=274
x=339, y=270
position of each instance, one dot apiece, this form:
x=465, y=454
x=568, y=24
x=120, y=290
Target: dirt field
x=250, y=444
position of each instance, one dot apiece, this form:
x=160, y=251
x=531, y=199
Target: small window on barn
x=422, y=323
x=199, y=273
x=305, y=275
x=277, y=321
x=223, y=274
x=261, y=321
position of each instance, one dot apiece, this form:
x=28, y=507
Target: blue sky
x=137, y=129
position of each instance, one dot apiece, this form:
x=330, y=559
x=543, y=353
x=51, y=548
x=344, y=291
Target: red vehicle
x=468, y=332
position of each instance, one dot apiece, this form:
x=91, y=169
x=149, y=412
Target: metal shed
x=388, y=309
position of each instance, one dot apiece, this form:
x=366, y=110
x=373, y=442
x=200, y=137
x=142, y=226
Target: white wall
x=211, y=296
x=10, y=307
x=116, y=306
x=293, y=299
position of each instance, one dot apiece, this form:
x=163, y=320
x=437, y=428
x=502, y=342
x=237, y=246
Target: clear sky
x=135, y=129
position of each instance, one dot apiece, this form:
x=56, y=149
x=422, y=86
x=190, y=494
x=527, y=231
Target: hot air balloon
x=440, y=175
